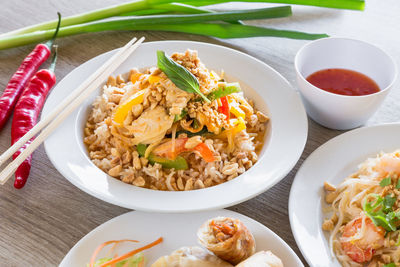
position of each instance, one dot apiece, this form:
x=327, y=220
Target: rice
x=113, y=148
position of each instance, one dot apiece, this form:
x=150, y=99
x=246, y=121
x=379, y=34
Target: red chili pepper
x=224, y=108
x=26, y=114
x=23, y=75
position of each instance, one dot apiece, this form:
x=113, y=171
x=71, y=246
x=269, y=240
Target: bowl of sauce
x=343, y=81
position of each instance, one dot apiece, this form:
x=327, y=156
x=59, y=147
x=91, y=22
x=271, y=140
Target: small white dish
x=272, y=94
x=339, y=111
x=177, y=230
x=332, y=162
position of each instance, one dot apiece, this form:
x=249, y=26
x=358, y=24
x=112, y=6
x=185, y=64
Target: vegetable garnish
x=398, y=184
x=101, y=246
x=222, y=91
x=224, y=108
x=380, y=211
x=390, y=265
x=205, y=152
x=385, y=182
x=131, y=253
x=179, y=75
x=179, y=163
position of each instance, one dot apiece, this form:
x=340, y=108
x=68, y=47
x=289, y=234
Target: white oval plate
x=287, y=132
x=332, y=162
x=178, y=230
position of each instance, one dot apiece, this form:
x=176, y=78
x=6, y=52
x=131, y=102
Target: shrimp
x=388, y=163
x=361, y=238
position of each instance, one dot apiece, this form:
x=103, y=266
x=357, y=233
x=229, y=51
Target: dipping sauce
x=343, y=82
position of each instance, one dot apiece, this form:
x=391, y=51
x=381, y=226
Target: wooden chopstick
x=62, y=111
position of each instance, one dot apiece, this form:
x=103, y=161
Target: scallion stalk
x=209, y=29
x=173, y=8
x=339, y=4
x=147, y=21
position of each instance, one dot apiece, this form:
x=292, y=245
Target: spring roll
x=227, y=238
x=262, y=259
x=191, y=257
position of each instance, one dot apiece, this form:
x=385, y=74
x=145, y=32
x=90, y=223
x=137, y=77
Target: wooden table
x=41, y=222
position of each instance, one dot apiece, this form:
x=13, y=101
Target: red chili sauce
x=343, y=82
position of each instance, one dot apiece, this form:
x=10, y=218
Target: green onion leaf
x=398, y=184
x=385, y=182
x=390, y=265
x=179, y=75
x=388, y=202
x=230, y=88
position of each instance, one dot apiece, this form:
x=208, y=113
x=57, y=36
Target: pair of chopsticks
x=61, y=112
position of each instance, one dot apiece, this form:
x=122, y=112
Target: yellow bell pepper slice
x=135, y=77
x=239, y=125
x=237, y=111
x=123, y=109
x=153, y=79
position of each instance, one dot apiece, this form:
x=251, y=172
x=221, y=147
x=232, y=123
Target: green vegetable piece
x=203, y=131
x=390, y=265
x=180, y=116
x=179, y=75
x=179, y=163
x=222, y=91
x=141, y=149
x=388, y=202
x=385, y=182
x=129, y=262
x=398, y=184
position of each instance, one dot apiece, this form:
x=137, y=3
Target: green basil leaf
x=385, y=182
x=180, y=76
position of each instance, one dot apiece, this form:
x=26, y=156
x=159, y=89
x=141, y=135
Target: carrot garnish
x=131, y=253
x=100, y=247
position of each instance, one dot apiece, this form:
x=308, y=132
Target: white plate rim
x=303, y=135
x=292, y=202
x=228, y=213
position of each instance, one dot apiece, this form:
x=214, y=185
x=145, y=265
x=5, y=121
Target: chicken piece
x=151, y=126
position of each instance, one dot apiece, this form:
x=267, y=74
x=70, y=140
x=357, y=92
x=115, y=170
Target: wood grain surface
x=41, y=222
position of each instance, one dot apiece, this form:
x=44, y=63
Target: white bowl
x=339, y=111
x=285, y=139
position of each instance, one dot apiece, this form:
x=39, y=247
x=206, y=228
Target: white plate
x=332, y=162
x=272, y=94
x=178, y=230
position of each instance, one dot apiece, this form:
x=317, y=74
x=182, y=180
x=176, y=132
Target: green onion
x=398, y=184
x=98, y=14
x=179, y=75
x=385, y=182
x=390, y=265
x=209, y=29
x=340, y=4
x=174, y=8
x=228, y=89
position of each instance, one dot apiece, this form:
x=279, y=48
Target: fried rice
x=168, y=116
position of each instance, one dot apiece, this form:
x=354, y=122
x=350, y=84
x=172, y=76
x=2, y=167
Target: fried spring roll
x=227, y=238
